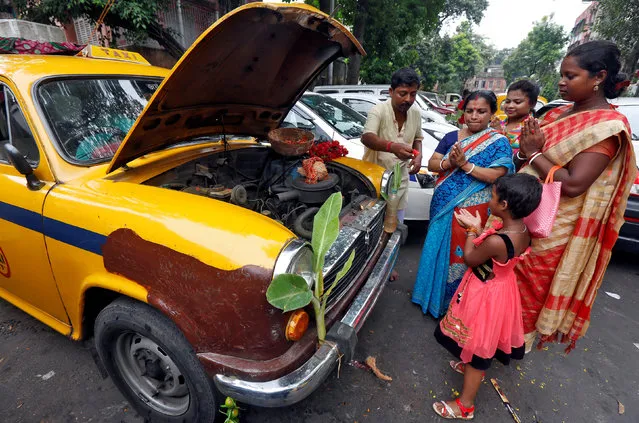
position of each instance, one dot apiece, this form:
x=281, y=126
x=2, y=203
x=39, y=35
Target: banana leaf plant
x=392, y=200
x=289, y=292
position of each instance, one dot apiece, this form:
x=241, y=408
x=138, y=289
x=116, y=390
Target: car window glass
x=345, y=120
x=89, y=118
x=360, y=91
x=14, y=128
x=360, y=106
x=295, y=120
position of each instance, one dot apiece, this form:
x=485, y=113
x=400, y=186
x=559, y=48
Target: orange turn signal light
x=297, y=325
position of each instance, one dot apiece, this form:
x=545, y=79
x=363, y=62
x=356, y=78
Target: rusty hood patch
x=219, y=311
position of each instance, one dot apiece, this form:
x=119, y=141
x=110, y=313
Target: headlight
x=296, y=258
x=385, y=185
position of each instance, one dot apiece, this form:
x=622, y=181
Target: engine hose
x=298, y=226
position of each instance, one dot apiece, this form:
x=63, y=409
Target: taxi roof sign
x=98, y=52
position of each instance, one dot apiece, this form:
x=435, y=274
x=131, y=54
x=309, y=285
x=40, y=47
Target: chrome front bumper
x=342, y=338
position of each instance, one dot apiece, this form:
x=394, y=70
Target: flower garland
x=329, y=150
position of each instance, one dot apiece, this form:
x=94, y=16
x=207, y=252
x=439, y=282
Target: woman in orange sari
x=590, y=140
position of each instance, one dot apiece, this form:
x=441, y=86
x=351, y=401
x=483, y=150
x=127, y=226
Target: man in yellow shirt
x=393, y=131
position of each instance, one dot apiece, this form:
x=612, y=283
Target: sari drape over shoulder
x=559, y=280
x=441, y=267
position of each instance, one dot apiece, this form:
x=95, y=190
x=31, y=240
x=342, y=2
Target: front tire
x=153, y=365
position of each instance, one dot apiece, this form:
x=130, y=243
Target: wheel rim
x=151, y=374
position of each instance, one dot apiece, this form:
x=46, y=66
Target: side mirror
x=22, y=165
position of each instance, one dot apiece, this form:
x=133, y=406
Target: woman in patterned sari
x=468, y=162
x=590, y=140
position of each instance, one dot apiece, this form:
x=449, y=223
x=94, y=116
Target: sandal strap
x=458, y=366
x=465, y=412
x=448, y=409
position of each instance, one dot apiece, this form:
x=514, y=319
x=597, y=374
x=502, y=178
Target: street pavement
x=44, y=377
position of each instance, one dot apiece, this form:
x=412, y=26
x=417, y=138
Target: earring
x=596, y=87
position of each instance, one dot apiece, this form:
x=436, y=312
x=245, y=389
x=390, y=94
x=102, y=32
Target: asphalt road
x=44, y=377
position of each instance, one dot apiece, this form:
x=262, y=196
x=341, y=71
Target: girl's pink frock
x=484, y=319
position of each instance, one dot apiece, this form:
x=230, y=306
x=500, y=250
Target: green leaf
x=288, y=292
x=340, y=275
x=325, y=230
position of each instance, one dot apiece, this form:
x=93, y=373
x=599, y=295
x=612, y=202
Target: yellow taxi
x=501, y=114
x=145, y=208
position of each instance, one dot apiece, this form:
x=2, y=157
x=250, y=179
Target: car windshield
x=632, y=113
x=432, y=97
x=89, y=117
x=343, y=119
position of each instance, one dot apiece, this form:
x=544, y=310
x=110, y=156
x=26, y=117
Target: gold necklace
x=515, y=232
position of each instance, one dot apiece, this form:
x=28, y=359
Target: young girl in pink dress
x=484, y=318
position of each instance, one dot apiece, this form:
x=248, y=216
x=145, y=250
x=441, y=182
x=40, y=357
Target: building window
x=490, y=85
x=483, y=84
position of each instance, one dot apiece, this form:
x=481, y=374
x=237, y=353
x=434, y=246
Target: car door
x=26, y=279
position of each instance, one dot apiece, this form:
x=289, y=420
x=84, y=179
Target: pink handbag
x=540, y=221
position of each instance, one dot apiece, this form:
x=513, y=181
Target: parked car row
x=431, y=112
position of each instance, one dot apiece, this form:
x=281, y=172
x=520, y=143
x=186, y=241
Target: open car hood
x=240, y=77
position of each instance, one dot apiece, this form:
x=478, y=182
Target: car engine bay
x=259, y=179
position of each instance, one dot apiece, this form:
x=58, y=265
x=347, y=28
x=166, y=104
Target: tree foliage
x=618, y=21
x=449, y=61
x=390, y=32
x=538, y=55
x=137, y=17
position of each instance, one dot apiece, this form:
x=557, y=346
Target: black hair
x=521, y=191
x=489, y=96
x=595, y=56
x=405, y=76
x=529, y=88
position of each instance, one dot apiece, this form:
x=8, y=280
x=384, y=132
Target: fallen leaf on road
x=613, y=295
x=372, y=363
x=622, y=409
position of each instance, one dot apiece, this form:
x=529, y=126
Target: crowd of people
x=494, y=286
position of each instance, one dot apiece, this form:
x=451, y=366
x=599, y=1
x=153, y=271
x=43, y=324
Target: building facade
x=491, y=79
x=186, y=19
x=582, y=31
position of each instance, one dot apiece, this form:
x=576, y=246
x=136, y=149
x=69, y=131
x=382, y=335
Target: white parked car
x=330, y=119
x=362, y=103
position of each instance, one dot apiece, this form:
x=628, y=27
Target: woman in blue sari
x=468, y=161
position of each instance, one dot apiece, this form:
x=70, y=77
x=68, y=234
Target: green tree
x=473, y=10
x=137, y=17
x=450, y=61
x=389, y=32
x=618, y=21
x=538, y=55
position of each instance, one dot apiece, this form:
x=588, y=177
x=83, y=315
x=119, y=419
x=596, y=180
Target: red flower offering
x=329, y=150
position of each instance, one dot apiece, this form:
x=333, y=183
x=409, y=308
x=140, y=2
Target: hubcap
x=151, y=374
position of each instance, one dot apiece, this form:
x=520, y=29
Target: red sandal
x=465, y=413
x=460, y=367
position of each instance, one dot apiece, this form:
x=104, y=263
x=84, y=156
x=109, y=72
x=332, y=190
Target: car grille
x=361, y=235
